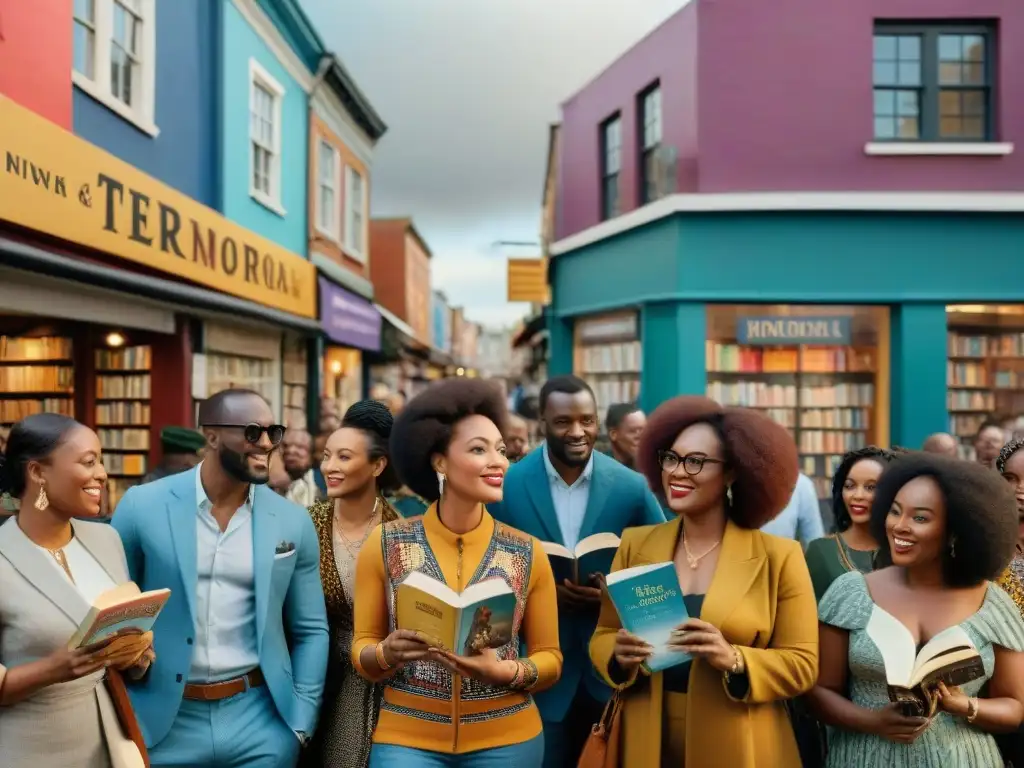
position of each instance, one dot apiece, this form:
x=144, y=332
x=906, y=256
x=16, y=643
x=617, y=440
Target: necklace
x=695, y=561
x=352, y=546
x=62, y=561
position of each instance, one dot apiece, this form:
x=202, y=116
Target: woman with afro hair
x=852, y=547
x=441, y=708
x=358, y=473
x=946, y=528
x=724, y=472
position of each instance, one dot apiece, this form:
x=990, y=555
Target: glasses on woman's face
x=692, y=463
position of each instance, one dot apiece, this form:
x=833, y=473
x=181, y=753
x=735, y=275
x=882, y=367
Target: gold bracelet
x=530, y=673
x=737, y=661
x=972, y=709
x=517, y=678
x=378, y=653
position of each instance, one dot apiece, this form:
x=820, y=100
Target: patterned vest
x=509, y=556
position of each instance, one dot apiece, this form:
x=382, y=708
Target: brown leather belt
x=225, y=689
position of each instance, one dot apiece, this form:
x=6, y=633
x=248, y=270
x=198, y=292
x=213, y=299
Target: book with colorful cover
x=650, y=605
x=465, y=623
x=120, y=611
x=593, y=554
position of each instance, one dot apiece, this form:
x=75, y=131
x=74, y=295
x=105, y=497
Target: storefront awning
x=187, y=298
x=533, y=326
x=347, y=319
x=400, y=325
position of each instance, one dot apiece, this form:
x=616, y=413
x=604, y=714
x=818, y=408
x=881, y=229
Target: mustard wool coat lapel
x=762, y=600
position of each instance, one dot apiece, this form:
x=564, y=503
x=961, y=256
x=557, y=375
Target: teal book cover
x=650, y=605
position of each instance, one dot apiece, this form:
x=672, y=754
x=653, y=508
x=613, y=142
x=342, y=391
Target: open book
x=913, y=675
x=480, y=617
x=650, y=605
x=119, y=611
x=592, y=555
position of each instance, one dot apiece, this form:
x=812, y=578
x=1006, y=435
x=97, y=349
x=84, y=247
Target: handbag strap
x=608, y=716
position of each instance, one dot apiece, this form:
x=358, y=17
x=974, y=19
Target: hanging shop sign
x=58, y=184
x=826, y=330
x=348, y=319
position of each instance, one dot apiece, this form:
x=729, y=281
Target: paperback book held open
x=650, y=605
x=119, y=611
x=465, y=623
x=593, y=554
x=913, y=676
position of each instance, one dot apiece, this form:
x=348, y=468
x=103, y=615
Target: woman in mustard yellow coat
x=724, y=472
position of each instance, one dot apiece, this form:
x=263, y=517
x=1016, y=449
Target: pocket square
x=284, y=548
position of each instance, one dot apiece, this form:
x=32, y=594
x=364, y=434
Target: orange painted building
x=35, y=62
x=401, y=273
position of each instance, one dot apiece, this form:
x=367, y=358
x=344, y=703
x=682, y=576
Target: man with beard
x=296, y=452
x=563, y=492
x=241, y=646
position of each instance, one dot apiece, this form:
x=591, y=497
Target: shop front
x=124, y=303
x=869, y=319
x=352, y=327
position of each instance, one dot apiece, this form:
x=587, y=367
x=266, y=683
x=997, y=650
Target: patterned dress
x=949, y=741
x=350, y=705
x=1012, y=580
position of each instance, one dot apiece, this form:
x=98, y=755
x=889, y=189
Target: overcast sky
x=468, y=89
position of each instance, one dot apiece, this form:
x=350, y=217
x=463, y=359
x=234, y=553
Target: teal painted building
x=678, y=261
x=268, y=66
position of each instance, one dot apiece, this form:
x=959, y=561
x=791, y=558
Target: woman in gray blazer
x=54, y=709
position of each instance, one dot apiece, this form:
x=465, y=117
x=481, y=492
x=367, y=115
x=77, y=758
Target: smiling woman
x=477, y=709
x=53, y=465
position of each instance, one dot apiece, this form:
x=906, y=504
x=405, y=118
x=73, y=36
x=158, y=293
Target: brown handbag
x=125, y=713
x=604, y=741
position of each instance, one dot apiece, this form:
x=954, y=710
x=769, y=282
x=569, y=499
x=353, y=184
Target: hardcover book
x=465, y=623
x=120, y=611
x=913, y=676
x=650, y=605
x=593, y=554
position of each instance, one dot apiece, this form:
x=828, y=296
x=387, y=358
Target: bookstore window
x=985, y=369
x=608, y=357
x=820, y=371
x=343, y=376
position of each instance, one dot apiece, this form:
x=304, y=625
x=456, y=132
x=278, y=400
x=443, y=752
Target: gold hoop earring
x=42, y=500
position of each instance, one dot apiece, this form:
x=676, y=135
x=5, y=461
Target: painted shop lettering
x=39, y=176
x=154, y=223
x=794, y=329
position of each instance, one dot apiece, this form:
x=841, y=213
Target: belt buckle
x=246, y=682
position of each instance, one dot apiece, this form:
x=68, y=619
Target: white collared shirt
x=570, y=501
x=225, y=644
x=303, y=491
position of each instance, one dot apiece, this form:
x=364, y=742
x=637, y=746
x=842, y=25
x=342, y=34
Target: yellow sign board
x=56, y=183
x=528, y=280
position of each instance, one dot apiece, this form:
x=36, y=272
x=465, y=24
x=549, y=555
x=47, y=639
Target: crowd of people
x=283, y=553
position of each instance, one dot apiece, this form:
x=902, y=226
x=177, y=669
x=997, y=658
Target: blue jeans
x=527, y=754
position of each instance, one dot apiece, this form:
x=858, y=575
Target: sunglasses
x=253, y=433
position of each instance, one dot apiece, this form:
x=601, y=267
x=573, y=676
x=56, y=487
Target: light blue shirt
x=570, y=501
x=226, y=645
x=801, y=519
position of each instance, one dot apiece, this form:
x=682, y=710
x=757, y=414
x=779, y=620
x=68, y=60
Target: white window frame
x=357, y=253
x=331, y=228
x=143, y=114
x=259, y=76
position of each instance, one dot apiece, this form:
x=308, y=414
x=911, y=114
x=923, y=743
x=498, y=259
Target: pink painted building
x=800, y=95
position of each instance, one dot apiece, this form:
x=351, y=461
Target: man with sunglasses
x=241, y=646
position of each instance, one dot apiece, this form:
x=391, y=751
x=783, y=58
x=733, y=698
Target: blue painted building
x=440, y=322
x=158, y=110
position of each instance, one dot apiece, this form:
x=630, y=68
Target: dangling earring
x=440, y=483
x=42, y=500
x=952, y=547
x=728, y=494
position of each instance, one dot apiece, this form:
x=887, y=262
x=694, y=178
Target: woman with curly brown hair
x=441, y=708
x=946, y=528
x=724, y=472
x=358, y=473
x=852, y=547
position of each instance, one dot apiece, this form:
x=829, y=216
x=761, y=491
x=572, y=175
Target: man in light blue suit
x=564, y=492
x=241, y=646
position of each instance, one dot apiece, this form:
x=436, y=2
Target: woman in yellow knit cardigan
x=724, y=472
x=440, y=708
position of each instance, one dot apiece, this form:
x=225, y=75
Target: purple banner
x=348, y=319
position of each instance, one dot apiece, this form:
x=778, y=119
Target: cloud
x=468, y=89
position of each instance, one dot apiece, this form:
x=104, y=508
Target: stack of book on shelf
x=823, y=394
x=123, y=393
x=37, y=375
x=612, y=370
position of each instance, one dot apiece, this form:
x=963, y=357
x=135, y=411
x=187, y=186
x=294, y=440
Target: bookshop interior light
x=336, y=367
x=115, y=339
x=460, y=371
